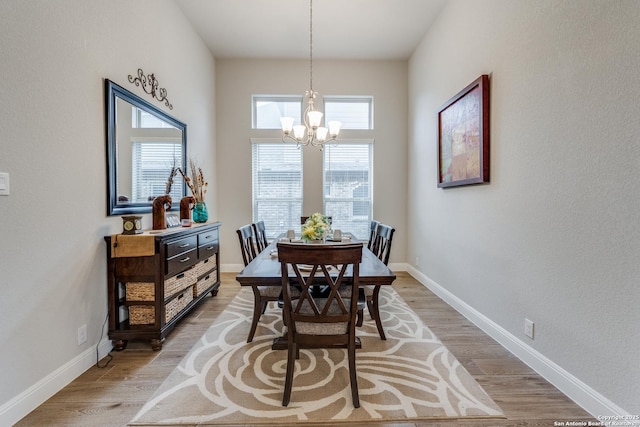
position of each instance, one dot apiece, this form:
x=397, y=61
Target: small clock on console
x=131, y=224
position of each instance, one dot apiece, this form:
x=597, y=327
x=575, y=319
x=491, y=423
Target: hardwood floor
x=111, y=396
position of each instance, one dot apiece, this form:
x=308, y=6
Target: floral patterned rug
x=224, y=380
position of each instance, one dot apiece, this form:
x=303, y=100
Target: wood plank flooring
x=111, y=396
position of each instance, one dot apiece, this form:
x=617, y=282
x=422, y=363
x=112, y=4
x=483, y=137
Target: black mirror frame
x=113, y=91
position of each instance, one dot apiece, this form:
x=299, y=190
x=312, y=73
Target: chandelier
x=311, y=133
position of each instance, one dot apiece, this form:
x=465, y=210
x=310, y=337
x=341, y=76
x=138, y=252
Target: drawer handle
x=180, y=276
x=210, y=248
x=185, y=259
x=186, y=245
x=207, y=278
x=208, y=236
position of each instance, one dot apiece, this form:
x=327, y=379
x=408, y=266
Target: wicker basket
x=205, y=265
x=145, y=291
x=180, y=282
x=140, y=291
x=141, y=315
x=176, y=305
x=204, y=284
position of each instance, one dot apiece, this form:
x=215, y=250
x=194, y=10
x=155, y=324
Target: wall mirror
x=143, y=145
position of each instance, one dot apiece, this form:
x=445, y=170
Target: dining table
x=265, y=270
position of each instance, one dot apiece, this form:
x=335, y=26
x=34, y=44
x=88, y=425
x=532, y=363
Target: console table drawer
x=208, y=237
x=208, y=250
x=181, y=262
x=180, y=246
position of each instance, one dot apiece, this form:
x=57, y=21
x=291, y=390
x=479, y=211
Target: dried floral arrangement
x=167, y=186
x=196, y=182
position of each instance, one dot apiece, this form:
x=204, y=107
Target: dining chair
x=373, y=233
x=260, y=235
x=324, y=319
x=261, y=294
x=382, y=250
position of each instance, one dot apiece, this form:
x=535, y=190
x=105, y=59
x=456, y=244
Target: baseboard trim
x=21, y=405
x=585, y=396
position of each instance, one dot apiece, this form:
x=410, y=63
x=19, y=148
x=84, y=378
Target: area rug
x=226, y=381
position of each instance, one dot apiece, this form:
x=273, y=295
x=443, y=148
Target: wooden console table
x=155, y=278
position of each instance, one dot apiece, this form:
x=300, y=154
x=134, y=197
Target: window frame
x=350, y=100
x=273, y=230
x=274, y=98
x=364, y=233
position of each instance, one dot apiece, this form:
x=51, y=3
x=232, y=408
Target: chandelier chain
x=316, y=135
x=311, y=45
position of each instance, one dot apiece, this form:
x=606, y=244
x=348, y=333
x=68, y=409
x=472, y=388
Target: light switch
x=4, y=184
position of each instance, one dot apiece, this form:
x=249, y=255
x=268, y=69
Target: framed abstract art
x=463, y=136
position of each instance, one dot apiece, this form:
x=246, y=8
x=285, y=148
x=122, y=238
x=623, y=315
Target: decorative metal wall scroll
x=150, y=85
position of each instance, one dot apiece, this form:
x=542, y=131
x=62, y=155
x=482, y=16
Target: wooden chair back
x=260, y=235
x=373, y=233
x=382, y=245
x=309, y=308
x=247, y=244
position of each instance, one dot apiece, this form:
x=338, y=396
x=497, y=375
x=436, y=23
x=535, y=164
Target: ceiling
x=342, y=29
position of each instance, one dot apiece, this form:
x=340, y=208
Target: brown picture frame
x=463, y=136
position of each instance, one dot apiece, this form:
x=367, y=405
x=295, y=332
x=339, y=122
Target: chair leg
x=352, y=373
x=360, y=318
x=257, y=310
x=291, y=364
x=375, y=311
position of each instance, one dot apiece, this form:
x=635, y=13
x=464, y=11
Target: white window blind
x=277, y=186
x=348, y=186
x=152, y=162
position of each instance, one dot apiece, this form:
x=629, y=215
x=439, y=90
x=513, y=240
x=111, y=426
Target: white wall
x=555, y=236
x=54, y=56
x=237, y=80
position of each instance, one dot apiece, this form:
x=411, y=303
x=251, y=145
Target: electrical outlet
x=528, y=328
x=82, y=334
x=4, y=184
x=417, y=262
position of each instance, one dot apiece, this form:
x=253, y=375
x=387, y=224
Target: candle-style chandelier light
x=311, y=133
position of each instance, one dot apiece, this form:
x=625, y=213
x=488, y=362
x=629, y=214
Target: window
x=355, y=112
x=277, y=186
x=348, y=182
x=144, y=120
x=267, y=110
x=152, y=162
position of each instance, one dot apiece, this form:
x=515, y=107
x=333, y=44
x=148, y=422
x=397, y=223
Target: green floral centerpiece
x=315, y=228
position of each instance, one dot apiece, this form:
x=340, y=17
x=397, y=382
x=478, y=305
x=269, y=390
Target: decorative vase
x=200, y=213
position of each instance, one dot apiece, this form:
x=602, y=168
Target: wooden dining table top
x=265, y=269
